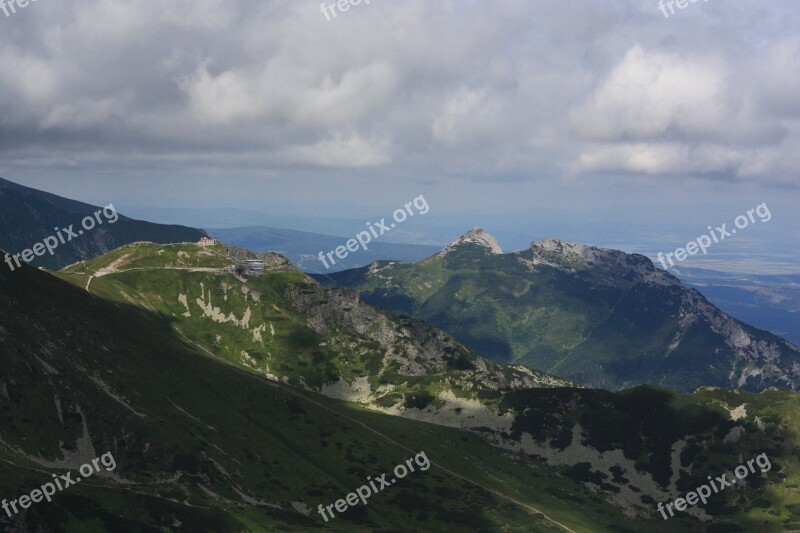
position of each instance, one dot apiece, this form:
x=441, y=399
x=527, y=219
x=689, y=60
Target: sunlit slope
x=144, y=255
x=286, y=327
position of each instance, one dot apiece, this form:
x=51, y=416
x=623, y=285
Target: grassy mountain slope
x=599, y=317
x=593, y=460
x=27, y=216
x=203, y=446
x=286, y=327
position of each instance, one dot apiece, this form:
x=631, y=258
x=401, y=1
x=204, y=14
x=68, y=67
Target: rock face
x=411, y=347
x=475, y=236
x=561, y=251
x=604, y=262
x=762, y=362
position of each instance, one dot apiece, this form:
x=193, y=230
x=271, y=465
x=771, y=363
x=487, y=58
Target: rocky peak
x=613, y=263
x=569, y=248
x=475, y=236
x=591, y=255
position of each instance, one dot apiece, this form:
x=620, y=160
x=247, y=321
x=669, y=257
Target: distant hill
x=599, y=317
x=302, y=248
x=28, y=216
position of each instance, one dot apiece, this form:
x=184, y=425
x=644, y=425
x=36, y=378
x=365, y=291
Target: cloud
x=778, y=74
x=651, y=95
x=661, y=113
x=342, y=151
x=468, y=90
x=468, y=115
x=29, y=79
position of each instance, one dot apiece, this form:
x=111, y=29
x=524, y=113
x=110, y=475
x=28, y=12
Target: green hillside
x=287, y=328
x=203, y=446
x=591, y=460
x=599, y=317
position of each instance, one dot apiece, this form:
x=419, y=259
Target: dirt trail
x=106, y=272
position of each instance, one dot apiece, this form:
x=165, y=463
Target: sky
x=604, y=121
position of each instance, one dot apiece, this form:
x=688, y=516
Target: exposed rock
x=474, y=236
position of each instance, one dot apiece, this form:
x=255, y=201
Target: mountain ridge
x=597, y=316
x=28, y=216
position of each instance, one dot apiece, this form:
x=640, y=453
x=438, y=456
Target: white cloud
x=651, y=94
x=468, y=90
x=467, y=115
x=84, y=113
x=27, y=78
x=342, y=151
x=778, y=75
x=226, y=97
x=687, y=114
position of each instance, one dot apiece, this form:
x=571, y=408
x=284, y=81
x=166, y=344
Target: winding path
x=105, y=272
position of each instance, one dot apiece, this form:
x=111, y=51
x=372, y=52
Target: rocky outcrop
x=412, y=347
x=475, y=236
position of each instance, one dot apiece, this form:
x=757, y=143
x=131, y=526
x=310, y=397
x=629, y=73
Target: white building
x=207, y=241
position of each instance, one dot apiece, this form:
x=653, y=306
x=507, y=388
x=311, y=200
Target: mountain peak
x=475, y=236
x=564, y=247
x=603, y=261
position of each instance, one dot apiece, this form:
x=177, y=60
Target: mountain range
x=600, y=317
x=243, y=402
x=236, y=404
